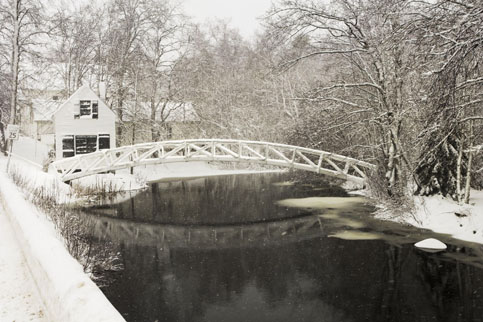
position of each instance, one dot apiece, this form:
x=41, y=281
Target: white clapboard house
x=83, y=124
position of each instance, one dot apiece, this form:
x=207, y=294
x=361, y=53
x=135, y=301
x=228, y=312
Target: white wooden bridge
x=281, y=155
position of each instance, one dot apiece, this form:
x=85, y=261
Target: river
x=264, y=247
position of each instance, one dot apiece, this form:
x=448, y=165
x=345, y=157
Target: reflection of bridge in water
x=249, y=234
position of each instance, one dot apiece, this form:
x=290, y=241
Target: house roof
x=80, y=89
x=44, y=109
x=173, y=112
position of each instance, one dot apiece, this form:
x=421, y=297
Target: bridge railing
x=213, y=150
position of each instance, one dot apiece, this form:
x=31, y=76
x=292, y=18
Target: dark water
x=221, y=249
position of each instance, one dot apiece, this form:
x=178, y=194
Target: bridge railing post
x=319, y=164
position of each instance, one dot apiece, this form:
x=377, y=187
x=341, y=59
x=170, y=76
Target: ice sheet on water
x=323, y=202
x=355, y=235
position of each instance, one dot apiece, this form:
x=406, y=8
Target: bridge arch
x=282, y=155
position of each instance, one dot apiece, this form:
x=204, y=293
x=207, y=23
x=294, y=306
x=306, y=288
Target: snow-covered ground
x=443, y=215
x=19, y=299
x=66, y=291
x=31, y=150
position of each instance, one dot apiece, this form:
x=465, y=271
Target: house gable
x=82, y=93
x=83, y=123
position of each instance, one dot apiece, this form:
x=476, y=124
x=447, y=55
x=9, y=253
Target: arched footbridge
x=281, y=155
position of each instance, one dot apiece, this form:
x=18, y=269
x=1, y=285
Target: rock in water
x=431, y=245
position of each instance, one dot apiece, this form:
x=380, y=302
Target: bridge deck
x=282, y=155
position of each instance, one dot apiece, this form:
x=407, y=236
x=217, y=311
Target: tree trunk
x=468, y=171
x=15, y=61
x=458, y=173
x=468, y=179
x=155, y=136
x=393, y=166
x=3, y=141
x=120, y=103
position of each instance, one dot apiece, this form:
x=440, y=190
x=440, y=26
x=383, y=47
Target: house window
x=104, y=141
x=85, y=144
x=82, y=144
x=85, y=108
x=68, y=146
x=95, y=110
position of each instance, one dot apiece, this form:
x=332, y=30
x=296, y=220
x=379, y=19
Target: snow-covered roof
x=173, y=112
x=44, y=108
x=83, y=92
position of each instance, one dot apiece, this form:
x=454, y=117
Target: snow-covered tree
x=452, y=45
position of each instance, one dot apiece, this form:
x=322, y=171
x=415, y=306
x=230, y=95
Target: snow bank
x=31, y=149
x=67, y=292
x=445, y=216
x=19, y=299
x=35, y=179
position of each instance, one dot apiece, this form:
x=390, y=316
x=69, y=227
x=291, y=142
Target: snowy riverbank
x=65, y=290
x=443, y=215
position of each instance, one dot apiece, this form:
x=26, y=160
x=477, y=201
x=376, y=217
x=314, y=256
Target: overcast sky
x=242, y=14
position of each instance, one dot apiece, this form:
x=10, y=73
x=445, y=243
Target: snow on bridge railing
x=276, y=154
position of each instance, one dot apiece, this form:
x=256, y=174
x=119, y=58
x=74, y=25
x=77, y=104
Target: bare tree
x=162, y=45
x=231, y=84
x=371, y=41
x=75, y=43
x=126, y=27
x=23, y=26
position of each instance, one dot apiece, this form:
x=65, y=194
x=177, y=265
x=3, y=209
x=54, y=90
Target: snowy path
x=19, y=300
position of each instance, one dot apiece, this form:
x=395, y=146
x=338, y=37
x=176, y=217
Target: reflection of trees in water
x=190, y=281
x=423, y=287
x=454, y=289
x=390, y=304
x=324, y=276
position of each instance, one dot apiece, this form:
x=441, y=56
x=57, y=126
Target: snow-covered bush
x=76, y=230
